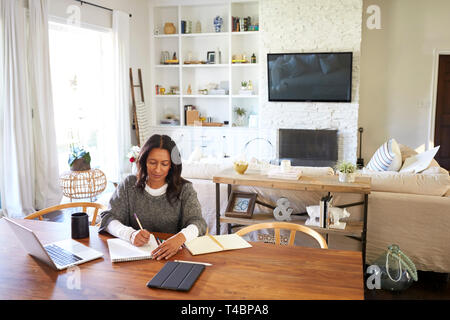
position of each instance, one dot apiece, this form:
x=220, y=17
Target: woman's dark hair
x=174, y=180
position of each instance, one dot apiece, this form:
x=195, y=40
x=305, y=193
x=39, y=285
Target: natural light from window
x=82, y=81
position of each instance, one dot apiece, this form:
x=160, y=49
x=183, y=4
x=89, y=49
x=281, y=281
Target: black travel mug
x=80, y=225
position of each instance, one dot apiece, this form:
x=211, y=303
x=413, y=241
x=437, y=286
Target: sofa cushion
x=419, y=162
x=204, y=168
x=387, y=158
x=433, y=184
x=408, y=152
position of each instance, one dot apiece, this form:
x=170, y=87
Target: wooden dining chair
x=83, y=205
x=285, y=225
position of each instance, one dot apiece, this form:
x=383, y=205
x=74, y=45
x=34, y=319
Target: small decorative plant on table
x=346, y=171
x=79, y=158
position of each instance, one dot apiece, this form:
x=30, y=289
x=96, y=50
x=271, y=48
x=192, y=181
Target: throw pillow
x=419, y=162
x=409, y=152
x=196, y=155
x=329, y=64
x=387, y=158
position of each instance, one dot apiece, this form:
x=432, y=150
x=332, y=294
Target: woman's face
x=158, y=166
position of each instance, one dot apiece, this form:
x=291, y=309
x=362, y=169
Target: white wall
x=139, y=28
x=397, y=66
x=313, y=26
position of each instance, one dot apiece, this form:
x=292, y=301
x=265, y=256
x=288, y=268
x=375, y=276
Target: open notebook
x=210, y=243
x=120, y=250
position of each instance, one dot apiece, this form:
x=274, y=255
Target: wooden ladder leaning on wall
x=133, y=98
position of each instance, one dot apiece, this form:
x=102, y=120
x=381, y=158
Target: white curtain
x=17, y=152
x=121, y=42
x=47, y=190
x=29, y=171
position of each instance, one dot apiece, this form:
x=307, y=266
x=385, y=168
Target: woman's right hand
x=140, y=237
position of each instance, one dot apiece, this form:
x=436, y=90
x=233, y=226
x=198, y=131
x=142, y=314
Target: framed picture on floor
x=241, y=205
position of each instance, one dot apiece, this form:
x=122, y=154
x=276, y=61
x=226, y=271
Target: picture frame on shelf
x=211, y=56
x=241, y=205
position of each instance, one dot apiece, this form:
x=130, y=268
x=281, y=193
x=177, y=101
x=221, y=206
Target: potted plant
x=240, y=113
x=346, y=171
x=79, y=159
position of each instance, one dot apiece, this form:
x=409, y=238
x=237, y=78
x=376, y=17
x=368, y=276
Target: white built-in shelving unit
x=199, y=76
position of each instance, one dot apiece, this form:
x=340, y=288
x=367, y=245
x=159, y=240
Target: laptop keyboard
x=61, y=256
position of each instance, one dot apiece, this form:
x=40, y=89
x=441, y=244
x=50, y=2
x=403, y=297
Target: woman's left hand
x=169, y=247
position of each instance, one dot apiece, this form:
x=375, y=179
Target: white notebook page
x=121, y=250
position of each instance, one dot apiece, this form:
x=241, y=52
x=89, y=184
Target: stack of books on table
x=245, y=92
x=288, y=174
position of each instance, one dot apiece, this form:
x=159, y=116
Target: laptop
x=59, y=255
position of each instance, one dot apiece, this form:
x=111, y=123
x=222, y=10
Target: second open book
x=210, y=243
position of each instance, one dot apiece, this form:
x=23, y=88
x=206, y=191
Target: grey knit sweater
x=155, y=213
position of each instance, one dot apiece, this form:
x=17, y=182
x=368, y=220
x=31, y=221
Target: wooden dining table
x=262, y=272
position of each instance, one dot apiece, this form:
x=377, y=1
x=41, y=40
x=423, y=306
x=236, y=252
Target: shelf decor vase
x=240, y=121
x=218, y=22
x=169, y=28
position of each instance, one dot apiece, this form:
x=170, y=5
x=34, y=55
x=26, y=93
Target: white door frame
x=434, y=87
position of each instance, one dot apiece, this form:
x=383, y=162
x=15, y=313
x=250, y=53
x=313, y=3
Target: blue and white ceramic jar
x=218, y=22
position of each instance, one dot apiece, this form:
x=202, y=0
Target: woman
x=161, y=199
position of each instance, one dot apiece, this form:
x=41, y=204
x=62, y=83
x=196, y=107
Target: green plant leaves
x=79, y=153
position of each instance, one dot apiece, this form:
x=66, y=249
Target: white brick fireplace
x=313, y=26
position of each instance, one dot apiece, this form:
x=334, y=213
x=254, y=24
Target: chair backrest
x=83, y=205
x=285, y=225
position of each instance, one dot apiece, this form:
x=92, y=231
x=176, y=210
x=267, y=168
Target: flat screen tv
x=315, y=77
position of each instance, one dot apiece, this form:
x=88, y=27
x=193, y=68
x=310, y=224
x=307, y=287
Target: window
x=82, y=82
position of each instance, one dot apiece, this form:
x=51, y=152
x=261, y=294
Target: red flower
x=132, y=159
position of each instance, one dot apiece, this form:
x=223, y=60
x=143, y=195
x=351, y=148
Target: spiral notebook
x=120, y=250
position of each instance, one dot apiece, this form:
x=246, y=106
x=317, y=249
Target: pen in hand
x=139, y=223
x=142, y=237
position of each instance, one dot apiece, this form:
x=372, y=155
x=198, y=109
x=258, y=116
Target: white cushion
x=433, y=184
x=419, y=162
x=196, y=155
x=306, y=171
x=387, y=158
x=205, y=168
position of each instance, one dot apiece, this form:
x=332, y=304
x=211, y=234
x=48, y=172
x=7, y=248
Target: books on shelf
x=239, y=24
x=246, y=92
x=210, y=243
x=186, y=26
x=218, y=92
x=324, y=216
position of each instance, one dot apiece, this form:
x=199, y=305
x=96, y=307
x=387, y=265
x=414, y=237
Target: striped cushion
x=387, y=158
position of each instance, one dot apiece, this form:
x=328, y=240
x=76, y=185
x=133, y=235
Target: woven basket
x=83, y=184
